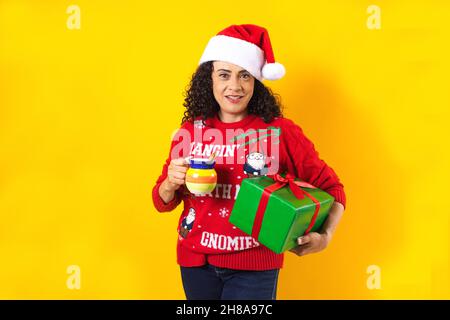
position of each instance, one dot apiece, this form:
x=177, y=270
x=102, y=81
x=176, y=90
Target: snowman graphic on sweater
x=255, y=164
x=187, y=223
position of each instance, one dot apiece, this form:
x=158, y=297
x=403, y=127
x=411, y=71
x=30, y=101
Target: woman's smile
x=235, y=99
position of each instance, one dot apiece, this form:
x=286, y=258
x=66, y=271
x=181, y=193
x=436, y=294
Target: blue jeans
x=213, y=283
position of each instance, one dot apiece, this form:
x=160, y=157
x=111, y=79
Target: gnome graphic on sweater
x=255, y=164
x=187, y=223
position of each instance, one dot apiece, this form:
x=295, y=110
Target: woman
x=231, y=113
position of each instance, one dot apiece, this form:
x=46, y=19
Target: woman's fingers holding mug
x=175, y=178
x=176, y=181
x=180, y=169
x=178, y=165
x=180, y=162
x=177, y=174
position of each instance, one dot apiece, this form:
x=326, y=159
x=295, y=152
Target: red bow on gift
x=298, y=192
x=293, y=185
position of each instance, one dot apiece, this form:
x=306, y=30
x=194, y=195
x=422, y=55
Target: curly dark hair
x=199, y=98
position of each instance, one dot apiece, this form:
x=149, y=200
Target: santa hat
x=247, y=46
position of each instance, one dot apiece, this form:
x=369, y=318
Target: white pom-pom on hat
x=247, y=46
x=273, y=71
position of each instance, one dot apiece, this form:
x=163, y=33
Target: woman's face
x=232, y=87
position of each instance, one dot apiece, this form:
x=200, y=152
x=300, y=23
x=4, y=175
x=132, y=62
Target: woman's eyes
x=225, y=75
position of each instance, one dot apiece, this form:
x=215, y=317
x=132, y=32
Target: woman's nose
x=235, y=84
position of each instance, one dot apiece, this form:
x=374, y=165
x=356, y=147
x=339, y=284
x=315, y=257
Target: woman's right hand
x=176, y=173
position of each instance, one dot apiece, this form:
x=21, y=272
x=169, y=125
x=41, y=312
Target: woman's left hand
x=311, y=243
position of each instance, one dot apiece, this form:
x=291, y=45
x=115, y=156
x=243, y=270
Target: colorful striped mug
x=201, y=178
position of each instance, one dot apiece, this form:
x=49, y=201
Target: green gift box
x=276, y=210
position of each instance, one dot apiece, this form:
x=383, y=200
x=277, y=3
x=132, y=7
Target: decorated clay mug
x=201, y=178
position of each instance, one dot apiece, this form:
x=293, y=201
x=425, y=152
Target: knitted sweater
x=244, y=148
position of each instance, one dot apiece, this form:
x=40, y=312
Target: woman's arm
x=166, y=192
x=311, y=168
x=334, y=216
x=308, y=166
x=314, y=241
x=161, y=201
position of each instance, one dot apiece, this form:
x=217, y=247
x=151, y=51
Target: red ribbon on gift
x=280, y=182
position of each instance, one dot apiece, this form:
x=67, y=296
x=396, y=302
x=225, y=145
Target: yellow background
x=86, y=118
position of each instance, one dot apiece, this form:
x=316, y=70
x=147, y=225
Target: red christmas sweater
x=244, y=148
